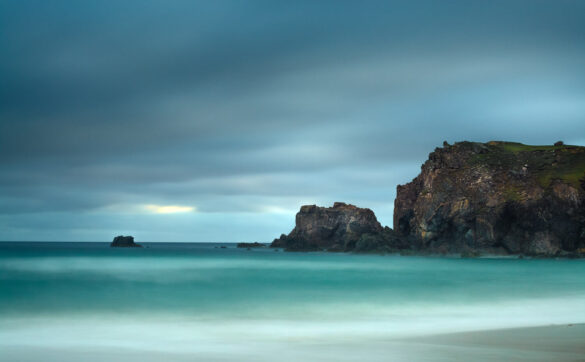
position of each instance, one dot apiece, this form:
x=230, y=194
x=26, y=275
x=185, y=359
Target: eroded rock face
x=121, y=241
x=342, y=227
x=496, y=197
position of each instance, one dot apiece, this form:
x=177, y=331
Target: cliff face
x=342, y=227
x=496, y=197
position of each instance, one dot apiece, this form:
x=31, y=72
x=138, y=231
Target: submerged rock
x=496, y=197
x=121, y=241
x=251, y=245
x=342, y=227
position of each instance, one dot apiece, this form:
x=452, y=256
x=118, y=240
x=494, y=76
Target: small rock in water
x=121, y=241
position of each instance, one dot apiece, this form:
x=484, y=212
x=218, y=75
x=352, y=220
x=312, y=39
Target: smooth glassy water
x=185, y=300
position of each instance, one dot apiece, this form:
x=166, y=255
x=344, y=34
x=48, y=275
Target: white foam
x=177, y=332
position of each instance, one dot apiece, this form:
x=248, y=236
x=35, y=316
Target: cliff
x=496, y=197
x=121, y=241
x=342, y=227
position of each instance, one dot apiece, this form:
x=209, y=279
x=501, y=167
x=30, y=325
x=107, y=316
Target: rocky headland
x=470, y=198
x=121, y=241
x=496, y=197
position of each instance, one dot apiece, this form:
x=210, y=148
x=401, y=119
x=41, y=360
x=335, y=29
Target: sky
x=214, y=121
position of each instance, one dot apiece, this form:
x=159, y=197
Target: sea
x=64, y=301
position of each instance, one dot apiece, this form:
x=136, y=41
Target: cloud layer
x=243, y=111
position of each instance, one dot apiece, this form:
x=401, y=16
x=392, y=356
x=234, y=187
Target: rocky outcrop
x=121, y=241
x=342, y=227
x=496, y=197
x=470, y=199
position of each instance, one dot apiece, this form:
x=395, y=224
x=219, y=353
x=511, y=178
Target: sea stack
x=121, y=241
x=496, y=197
x=342, y=227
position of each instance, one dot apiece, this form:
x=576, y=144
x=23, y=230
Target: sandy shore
x=550, y=343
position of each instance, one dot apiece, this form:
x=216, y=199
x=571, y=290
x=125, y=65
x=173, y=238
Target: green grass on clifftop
x=519, y=147
x=545, y=163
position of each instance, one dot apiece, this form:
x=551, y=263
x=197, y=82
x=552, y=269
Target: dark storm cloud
x=245, y=108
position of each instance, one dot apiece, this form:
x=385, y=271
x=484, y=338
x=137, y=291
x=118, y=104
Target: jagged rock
x=121, y=241
x=496, y=197
x=342, y=227
x=250, y=245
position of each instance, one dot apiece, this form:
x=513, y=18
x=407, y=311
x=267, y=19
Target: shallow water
x=234, y=304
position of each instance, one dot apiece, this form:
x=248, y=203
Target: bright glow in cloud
x=168, y=209
x=278, y=210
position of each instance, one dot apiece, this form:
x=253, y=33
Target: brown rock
x=337, y=228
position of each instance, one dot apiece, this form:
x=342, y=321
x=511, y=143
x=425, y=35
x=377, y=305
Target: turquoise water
x=204, y=300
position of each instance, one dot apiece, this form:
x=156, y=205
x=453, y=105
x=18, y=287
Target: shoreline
x=542, y=343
